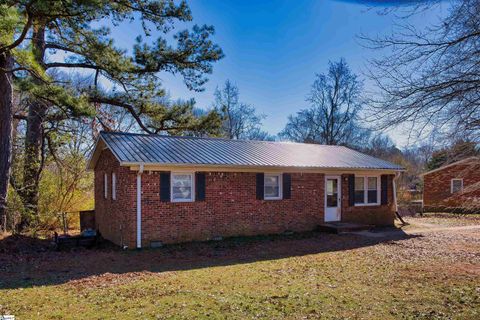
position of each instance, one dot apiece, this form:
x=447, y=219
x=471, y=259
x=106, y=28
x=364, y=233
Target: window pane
x=182, y=186
x=372, y=193
x=332, y=193
x=271, y=192
x=332, y=201
x=456, y=185
x=271, y=186
x=182, y=180
x=182, y=193
x=359, y=183
x=271, y=180
x=105, y=186
x=372, y=196
x=359, y=196
x=114, y=186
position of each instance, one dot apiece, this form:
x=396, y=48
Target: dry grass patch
x=446, y=219
x=309, y=276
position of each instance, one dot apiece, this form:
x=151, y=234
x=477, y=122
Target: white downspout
x=139, y=206
x=395, y=204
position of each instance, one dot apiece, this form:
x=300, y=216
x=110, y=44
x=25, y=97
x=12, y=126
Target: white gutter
x=139, y=206
x=133, y=165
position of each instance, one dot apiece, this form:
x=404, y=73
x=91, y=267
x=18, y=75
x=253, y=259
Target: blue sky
x=274, y=48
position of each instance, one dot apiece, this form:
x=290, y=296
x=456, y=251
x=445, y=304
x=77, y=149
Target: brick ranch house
x=152, y=189
x=455, y=186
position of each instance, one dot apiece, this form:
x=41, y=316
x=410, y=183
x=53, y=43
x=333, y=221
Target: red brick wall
x=436, y=187
x=230, y=207
x=381, y=215
x=115, y=219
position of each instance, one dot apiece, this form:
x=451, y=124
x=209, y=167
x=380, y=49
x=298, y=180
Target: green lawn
x=430, y=276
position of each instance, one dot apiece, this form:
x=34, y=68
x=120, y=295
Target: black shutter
x=351, y=190
x=165, y=186
x=287, y=183
x=260, y=182
x=384, y=191
x=200, y=186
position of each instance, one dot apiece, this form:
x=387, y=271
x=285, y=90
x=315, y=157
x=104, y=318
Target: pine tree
x=31, y=31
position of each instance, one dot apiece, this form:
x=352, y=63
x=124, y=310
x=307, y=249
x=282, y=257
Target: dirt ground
x=427, y=260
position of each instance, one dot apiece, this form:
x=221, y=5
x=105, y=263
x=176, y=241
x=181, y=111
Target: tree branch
x=71, y=65
x=22, y=36
x=124, y=105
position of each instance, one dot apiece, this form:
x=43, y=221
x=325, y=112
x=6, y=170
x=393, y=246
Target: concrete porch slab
x=343, y=227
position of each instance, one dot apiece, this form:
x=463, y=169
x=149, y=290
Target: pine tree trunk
x=6, y=117
x=33, y=141
x=32, y=163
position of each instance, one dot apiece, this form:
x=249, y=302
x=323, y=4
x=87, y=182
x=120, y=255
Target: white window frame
x=280, y=186
x=365, y=190
x=192, y=195
x=114, y=186
x=451, y=185
x=105, y=185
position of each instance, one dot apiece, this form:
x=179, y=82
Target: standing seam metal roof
x=157, y=149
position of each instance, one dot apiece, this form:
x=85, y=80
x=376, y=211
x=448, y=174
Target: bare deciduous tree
x=431, y=78
x=335, y=100
x=381, y=146
x=240, y=120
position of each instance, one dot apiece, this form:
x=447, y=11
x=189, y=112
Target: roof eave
x=92, y=162
x=255, y=167
x=91, y=159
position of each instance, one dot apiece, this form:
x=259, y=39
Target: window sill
x=367, y=204
x=182, y=201
x=267, y=199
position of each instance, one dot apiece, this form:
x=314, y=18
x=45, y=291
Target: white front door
x=332, y=198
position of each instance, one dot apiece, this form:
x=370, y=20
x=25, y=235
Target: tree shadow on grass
x=35, y=264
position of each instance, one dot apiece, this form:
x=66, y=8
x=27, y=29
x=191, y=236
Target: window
x=367, y=190
x=272, y=186
x=105, y=186
x=456, y=185
x=182, y=187
x=359, y=190
x=114, y=186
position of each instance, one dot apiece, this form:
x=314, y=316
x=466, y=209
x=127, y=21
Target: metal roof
x=473, y=159
x=132, y=148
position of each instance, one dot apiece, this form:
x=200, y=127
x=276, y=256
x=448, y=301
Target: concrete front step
x=342, y=227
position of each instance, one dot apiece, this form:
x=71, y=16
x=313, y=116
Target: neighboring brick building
x=152, y=189
x=453, y=187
